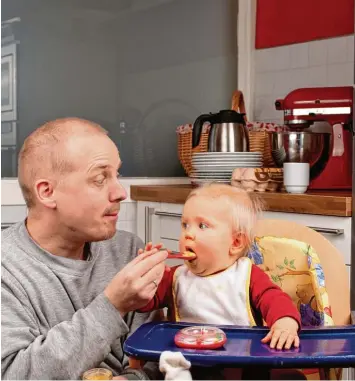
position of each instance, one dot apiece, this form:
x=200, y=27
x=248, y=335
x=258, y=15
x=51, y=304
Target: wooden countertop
x=321, y=203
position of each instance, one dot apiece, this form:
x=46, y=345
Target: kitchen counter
x=314, y=202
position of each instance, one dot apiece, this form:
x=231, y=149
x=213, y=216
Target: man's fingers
x=141, y=257
x=155, y=274
x=146, y=263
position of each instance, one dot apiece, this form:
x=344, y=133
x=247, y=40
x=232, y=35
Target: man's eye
x=100, y=180
x=203, y=226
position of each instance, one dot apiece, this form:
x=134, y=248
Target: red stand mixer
x=332, y=168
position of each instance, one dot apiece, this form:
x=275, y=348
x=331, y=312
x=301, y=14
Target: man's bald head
x=43, y=154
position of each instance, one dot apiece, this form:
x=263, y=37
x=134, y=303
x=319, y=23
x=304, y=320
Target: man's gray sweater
x=56, y=322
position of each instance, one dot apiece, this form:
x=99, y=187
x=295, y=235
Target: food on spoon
x=187, y=255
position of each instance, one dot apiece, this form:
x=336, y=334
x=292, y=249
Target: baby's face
x=207, y=231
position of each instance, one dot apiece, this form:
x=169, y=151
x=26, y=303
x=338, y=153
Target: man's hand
x=283, y=333
x=149, y=246
x=135, y=285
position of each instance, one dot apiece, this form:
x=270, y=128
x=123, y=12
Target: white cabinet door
x=336, y=229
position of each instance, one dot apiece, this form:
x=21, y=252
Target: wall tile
x=317, y=76
x=317, y=52
x=299, y=55
x=264, y=83
x=265, y=108
x=336, y=50
x=340, y=74
x=350, y=42
x=272, y=59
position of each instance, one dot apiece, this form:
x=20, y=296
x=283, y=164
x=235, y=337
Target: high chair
x=311, y=270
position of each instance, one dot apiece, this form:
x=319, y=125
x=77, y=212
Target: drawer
x=170, y=220
x=323, y=223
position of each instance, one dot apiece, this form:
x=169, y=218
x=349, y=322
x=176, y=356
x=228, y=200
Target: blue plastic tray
x=328, y=347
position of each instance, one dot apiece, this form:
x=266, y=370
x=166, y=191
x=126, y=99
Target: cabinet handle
x=148, y=211
x=327, y=230
x=6, y=225
x=168, y=214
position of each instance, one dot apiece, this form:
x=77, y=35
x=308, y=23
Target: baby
x=221, y=286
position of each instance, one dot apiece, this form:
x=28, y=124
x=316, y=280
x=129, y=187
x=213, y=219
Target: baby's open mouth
x=189, y=254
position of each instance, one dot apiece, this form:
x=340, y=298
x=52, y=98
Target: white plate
x=216, y=171
x=223, y=163
x=202, y=182
x=212, y=178
x=227, y=167
x=198, y=154
x=226, y=159
x=238, y=165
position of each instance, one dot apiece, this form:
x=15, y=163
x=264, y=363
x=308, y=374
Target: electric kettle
x=228, y=132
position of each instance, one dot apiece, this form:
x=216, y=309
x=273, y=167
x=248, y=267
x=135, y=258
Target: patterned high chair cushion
x=295, y=267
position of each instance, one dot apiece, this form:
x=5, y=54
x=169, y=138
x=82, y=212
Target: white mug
x=296, y=177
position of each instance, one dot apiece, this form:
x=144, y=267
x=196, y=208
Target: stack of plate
x=218, y=166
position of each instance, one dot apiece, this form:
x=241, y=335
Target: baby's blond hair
x=244, y=209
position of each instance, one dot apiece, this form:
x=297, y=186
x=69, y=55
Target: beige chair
x=336, y=276
x=335, y=273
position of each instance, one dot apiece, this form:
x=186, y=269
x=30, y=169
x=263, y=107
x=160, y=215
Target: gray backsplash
x=151, y=65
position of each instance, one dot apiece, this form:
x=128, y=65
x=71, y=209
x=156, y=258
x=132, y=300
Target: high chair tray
x=327, y=347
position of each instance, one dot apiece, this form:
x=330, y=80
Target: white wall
x=279, y=70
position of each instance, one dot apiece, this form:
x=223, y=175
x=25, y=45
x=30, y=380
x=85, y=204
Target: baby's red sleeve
x=163, y=293
x=269, y=299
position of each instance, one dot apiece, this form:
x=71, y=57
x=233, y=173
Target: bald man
x=70, y=281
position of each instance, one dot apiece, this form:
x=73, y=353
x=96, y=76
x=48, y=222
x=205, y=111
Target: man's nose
x=117, y=193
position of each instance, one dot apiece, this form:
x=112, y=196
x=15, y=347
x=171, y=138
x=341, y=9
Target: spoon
x=186, y=255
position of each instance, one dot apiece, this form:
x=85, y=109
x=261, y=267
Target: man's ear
x=238, y=245
x=44, y=190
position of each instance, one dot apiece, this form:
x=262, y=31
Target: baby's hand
x=283, y=333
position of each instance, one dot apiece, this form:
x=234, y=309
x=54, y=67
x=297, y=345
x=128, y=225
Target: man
x=69, y=279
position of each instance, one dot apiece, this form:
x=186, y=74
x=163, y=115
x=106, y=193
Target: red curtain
x=285, y=22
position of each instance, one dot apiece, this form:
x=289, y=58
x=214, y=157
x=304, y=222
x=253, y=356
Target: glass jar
x=98, y=374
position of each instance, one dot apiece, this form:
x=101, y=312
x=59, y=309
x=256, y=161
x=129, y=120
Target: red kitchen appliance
x=303, y=107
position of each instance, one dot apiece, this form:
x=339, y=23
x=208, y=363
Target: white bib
x=221, y=299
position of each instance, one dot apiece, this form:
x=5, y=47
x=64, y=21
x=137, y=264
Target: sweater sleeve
x=269, y=299
x=163, y=294
x=63, y=352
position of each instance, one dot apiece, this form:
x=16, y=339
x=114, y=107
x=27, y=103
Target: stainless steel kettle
x=228, y=132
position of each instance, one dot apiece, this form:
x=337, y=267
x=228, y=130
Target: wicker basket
x=258, y=132
x=185, y=150
x=258, y=137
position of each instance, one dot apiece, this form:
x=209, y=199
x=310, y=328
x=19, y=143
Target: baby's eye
x=203, y=226
x=184, y=225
